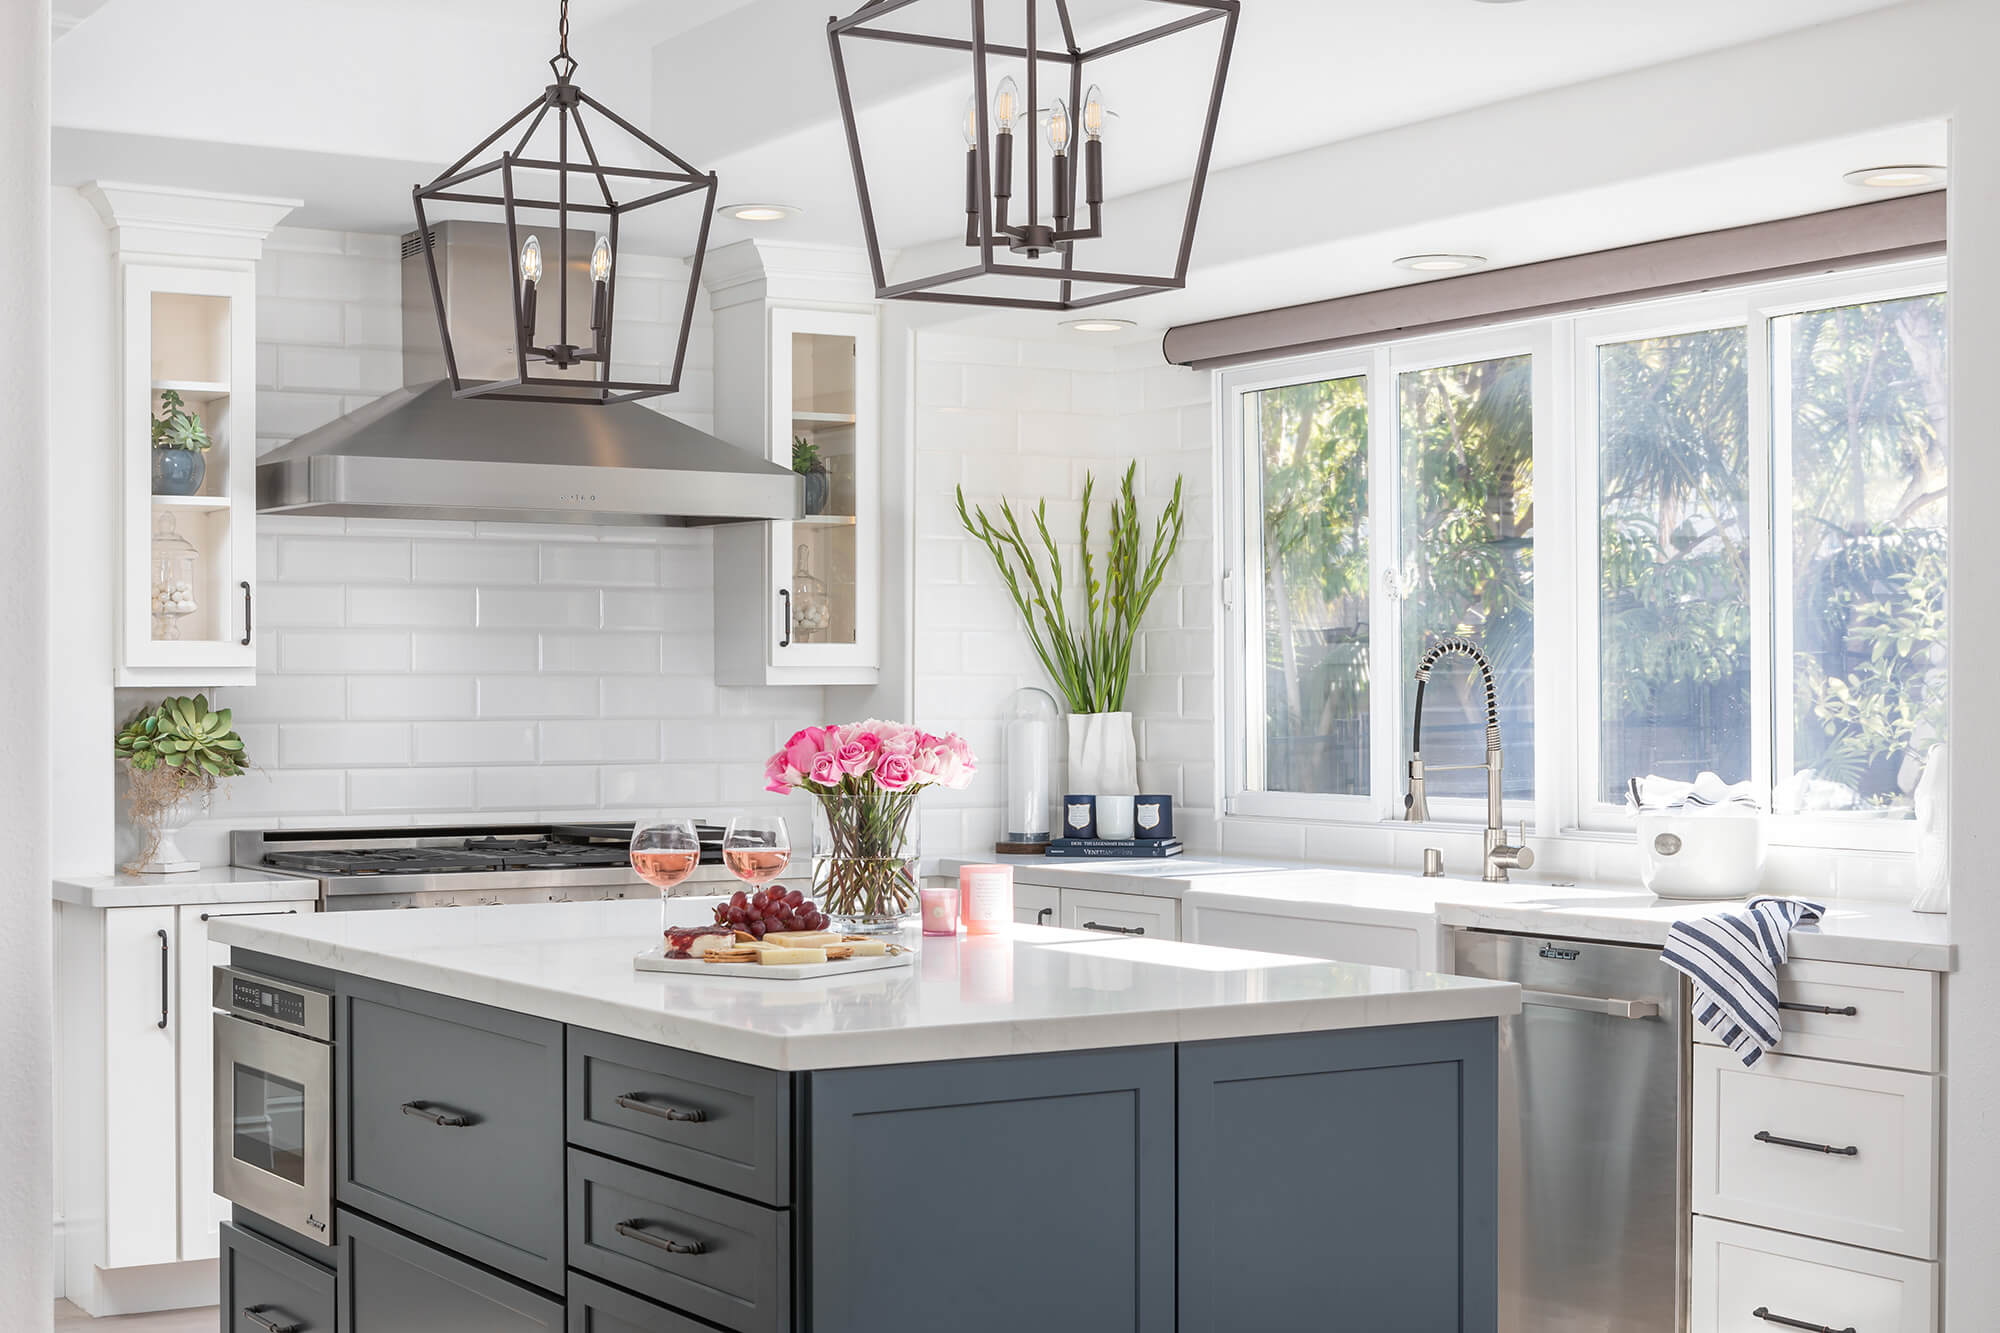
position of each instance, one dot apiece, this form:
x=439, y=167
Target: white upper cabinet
x=186, y=568
x=798, y=378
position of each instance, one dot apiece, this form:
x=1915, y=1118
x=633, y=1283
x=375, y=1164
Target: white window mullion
x=1388, y=734
x=1770, y=552
x=1560, y=540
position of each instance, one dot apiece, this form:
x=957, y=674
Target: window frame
x=1566, y=553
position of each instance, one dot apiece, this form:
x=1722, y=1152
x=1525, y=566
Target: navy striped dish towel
x=1733, y=959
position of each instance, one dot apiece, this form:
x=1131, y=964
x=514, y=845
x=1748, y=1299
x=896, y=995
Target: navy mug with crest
x=1079, y=817
x=1153, y=818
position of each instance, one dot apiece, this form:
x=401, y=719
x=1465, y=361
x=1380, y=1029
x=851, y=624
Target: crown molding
x=784, y=271
x=158, y=220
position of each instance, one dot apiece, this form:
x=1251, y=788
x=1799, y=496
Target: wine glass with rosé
x=756, y=848
x=665, y=852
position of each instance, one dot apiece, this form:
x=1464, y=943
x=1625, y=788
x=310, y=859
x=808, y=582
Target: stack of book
x=1109, y=847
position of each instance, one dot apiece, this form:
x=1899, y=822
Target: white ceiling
x=347, y=103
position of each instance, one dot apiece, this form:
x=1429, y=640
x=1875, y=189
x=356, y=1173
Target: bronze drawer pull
x=634, y=1228
x=1766, y=1136
x=631, y=1101
x=445, y=1119
x=1845, y=1011
x=255, y=1314
x=1114, y=930
x=1763, y=1312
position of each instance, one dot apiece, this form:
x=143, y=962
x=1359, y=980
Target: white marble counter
x=1162, y=877
x=1036, y=989
x=211, y=884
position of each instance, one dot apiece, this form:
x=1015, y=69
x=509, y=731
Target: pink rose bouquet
x=866, y=777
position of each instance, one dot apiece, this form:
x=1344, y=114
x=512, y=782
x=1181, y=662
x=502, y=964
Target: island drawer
x=720, y=1258
x=1739, y=1270
x=712, y=1121
x=263, y=1281
x=1865, y=1015
x=1121, y=914
x=450, y=1125
x=1844, y=1152
x=595, y=1307
x=390, y=1282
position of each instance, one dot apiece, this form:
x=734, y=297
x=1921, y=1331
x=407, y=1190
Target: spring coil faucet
x=1498, y=857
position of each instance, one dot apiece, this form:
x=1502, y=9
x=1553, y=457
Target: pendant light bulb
x=600, y=259
x=1094, y=112
x=1006, y=105
x=531, y=260
x=1059, y=127
x=971, y=125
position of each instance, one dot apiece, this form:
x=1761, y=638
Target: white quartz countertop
x=1032, y=990
x=191, y=888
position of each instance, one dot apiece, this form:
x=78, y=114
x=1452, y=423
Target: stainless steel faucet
x=1499, y=858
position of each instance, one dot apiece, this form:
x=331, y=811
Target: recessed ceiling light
x=1441, y=263
x=760, y=212
x=1100, y=325
x=1896, y=177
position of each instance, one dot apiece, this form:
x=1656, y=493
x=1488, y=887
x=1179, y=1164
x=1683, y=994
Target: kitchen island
x=1047, y=1129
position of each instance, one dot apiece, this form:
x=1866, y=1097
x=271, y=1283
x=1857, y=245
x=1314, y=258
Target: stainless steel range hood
x=420, y=453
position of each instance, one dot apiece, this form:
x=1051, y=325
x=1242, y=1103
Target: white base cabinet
x=1129, y=914
x=1738, y=1271
x=134, y=1098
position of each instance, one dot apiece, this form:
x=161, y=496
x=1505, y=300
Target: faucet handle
x=1523, y=858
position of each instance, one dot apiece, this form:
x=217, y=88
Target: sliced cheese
x=801, y=939
x=866, y=948
x=785, y=957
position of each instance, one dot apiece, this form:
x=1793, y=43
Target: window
x=1734, y=505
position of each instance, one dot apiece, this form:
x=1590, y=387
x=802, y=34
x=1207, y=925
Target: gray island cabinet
x=529, y=1138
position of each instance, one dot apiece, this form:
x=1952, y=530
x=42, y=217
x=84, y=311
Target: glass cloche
x=1029, y=748
x=174, y=559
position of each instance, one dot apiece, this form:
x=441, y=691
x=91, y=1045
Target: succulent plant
x=185, y=734
x=176, y=427
x=805, y=455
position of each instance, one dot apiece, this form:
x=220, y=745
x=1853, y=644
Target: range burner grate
x=382, y=861
x=547, y=853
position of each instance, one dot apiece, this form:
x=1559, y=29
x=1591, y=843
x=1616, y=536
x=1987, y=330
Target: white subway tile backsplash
x=265, y=792
x=538, y=696
x=543, y=789
x=430, y=790
x=414, y=607
x=301, y=698
x=663, y=786
x=293, y=605
x=486, y=562
x=604, y=653
x=474, y=742
x=410, y=697
x=538, y=608
x=601, y=566
x=342, y=744
x=470, y=652
x=344, y=560
x=346, y=651
x=618, y=741
x=676, y=696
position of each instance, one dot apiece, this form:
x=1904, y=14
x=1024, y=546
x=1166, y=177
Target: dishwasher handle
x=1592, y=1005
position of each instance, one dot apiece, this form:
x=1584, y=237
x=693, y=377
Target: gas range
x=467, y=865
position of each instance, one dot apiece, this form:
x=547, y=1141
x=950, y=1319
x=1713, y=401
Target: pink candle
x=940, y=909
x=986, y=898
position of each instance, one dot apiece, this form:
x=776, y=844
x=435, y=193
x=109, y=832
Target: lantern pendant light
x=1057, y=214
x=563, y=354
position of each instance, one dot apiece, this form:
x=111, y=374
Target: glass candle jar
x=1029, y=762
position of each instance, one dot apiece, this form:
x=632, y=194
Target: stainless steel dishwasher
x=1593, y=1130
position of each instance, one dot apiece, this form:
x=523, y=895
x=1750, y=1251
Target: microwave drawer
x=451, y=1126
x=1738, y=1271
x=1884, y=1016
x=1842, y=1152
x=265, y=1284
x=712, y=1121
x=720, y=1258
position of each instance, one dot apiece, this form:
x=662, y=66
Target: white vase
x=1103, y=759
x=1933, y=883
x=167, y=857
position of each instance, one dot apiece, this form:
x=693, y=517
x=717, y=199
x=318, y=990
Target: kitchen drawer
x=451, y=1126
x=1894, y=1022
x=1037, y=904
x=597, y=1308
x=393, y=1283
x=622, y=1219
x=266, y=1282
x=1739, y=1270
x=712, y=1121
x=1883, y=1195
x=1121, y=914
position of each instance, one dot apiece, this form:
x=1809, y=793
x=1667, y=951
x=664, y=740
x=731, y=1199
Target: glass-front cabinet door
x=188, y=447
x=825, y=423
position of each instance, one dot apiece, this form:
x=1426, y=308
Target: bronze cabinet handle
x=633, y=1228
x=632, y=1101
x=1114, y=930
x=444, y=1119
x=255, y=1314
x=1763, y=1312
x=1766, y=1136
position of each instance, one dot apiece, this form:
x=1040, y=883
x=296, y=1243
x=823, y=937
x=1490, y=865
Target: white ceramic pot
x=167, y=857
x=1103, y=758
x=1714, y=854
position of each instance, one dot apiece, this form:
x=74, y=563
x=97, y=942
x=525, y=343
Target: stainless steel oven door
x=273, y=1130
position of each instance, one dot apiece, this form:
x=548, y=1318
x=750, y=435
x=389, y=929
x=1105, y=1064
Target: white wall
x=27, y=1140
x=410, y=672
x=1026, y=420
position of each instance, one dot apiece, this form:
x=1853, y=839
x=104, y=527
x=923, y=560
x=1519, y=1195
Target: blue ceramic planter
x=177, y=471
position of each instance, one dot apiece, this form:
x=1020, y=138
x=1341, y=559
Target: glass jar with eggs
x=174, y=560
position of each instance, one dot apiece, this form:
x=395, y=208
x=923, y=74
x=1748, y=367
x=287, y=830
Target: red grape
x=757, y=929
x=739, y=899
x=795, y=897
